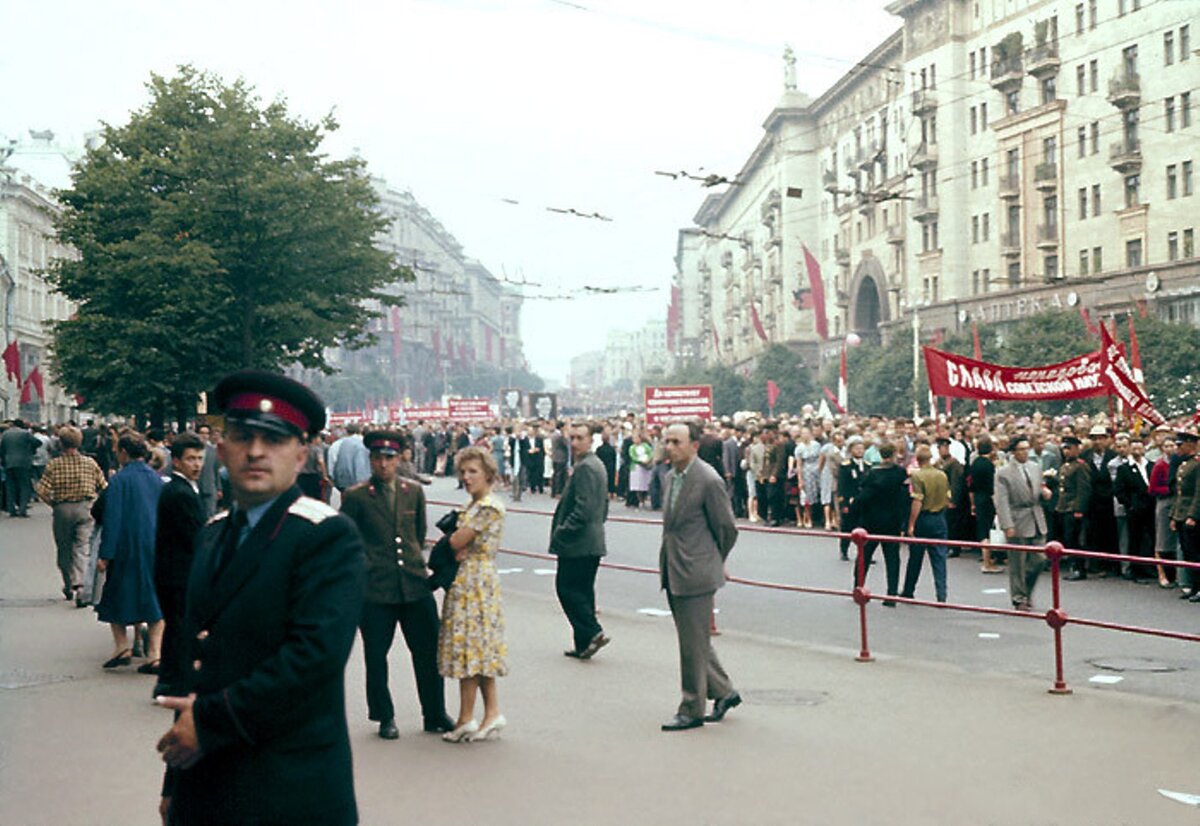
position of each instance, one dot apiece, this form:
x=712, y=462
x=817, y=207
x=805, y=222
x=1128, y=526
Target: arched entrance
x=868, y=299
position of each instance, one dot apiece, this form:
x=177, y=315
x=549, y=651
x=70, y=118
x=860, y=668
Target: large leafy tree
x=786, y=369
x=212, y=234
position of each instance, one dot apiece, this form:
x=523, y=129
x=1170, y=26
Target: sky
x=550, y=103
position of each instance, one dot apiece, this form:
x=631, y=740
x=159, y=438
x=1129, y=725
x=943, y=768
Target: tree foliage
x=212, y=234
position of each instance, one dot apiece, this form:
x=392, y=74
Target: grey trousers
x=72, y=527
x=1166, y=541
x=1024, y=568
x=701, y=675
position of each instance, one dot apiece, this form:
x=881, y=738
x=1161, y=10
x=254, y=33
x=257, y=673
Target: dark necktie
x=229, y=546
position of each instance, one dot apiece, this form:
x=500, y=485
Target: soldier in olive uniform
x=1185, y=513
x=390, y=514
x=1074, y=496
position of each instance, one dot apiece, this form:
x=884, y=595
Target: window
x=1172, y=189
x=984, y=225
x=1083, y=203
x=1050, y=150
x=1095, y=199
x=1172, y=246
x=972, y=65
x=1083, y=262
x=1169, y=113
x=983, y=172
x=933, y=77
x=1185, y=175
x=1188, y=243
x=1049, y=88
x=1185, y=110
x=973, y=123
x=982, y=116
x=1129, y=60
x=1014, y=223
x=1012, y=102
x=1185, y=43
x=1133, y=253
x=1079, y=19
x=1080, y=80
x=1094, y=73
x=1097, y=261
x=1095, y=131
x=1129, y=120
x=1168, y=48
x=1050, y=212
x=975, y=282
x=1120, y=8
x=1133, y=187
x=1082, y=141
x=986, y=276
x=974, y=229
x=1013, y=164
x=1014, y=274
x=1091, y=14
x=974, y=175
x=1051, y=265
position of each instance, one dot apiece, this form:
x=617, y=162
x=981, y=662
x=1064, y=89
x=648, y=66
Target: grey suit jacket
x=17, y=447
x=578, y=525
x=1016, y=506
x=698, y=534
x=208, y=481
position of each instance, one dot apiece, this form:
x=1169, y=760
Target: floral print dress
x=471, y=638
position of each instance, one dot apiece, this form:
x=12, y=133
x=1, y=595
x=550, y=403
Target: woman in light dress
x=471, y=646
x=808, y=457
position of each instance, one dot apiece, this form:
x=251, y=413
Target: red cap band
x=259, y=404
x=380, y=444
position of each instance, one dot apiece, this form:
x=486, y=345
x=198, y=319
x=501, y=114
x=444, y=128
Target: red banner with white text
x=960, y=377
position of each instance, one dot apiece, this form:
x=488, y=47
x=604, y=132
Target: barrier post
x=861, y=595
x=1056, y=617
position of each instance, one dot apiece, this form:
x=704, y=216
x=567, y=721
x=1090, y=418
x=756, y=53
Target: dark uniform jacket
x=393, y=537
x=180, y=518
x=849, y=483
x=1132, y=489
x=578, y=525
x=1102, y=480
x=1074, y=487
x=269, y=640
x=884, y=502
x=956, y=475
x=1187, y=491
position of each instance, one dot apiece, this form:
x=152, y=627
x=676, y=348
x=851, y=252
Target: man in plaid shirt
x=70, y=485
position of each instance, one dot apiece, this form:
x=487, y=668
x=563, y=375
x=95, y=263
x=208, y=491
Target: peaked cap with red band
x=270, y=401
x=387, y=442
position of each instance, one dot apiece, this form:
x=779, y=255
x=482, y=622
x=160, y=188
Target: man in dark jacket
x=850, y=478
x=883, y=503
x=577, y=539
x=274, y=598
x=390, y=514
x=180, y=518
x=17, y=447
x=1100, y=525
x=1132, y=490
x=559, y=456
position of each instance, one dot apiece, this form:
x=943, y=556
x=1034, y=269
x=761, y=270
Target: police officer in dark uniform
x=390, y=514
x=273, y=600
x=1074, y=497
x=850, y=478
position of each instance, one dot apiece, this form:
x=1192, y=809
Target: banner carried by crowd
x=1104, y=372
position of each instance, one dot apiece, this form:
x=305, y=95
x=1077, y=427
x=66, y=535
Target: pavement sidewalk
x=820, y=739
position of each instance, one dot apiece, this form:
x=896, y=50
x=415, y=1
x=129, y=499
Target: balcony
x=1007, y=74
x=925, y=157
x=1010, y=244
x=1125, y=91
x=842, y=254
x=829, y=180
x=1047, y=236
x=895, y=233
x=1010, y=186
x=865, y=205
x=925, y=208
x=1126, y=156
x=1045, y=177
x=924, y=100
x=867, y=155
x=1042, y=61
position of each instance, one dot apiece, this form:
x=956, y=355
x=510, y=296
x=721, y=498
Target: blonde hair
x=477, y=454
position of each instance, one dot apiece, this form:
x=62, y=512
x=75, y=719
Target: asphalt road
x=1012, y=645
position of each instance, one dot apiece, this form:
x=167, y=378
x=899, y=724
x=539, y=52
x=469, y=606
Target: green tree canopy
x=212, y=234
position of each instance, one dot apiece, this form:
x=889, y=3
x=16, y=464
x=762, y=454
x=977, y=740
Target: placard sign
x=429, y=412
x=668, y=404
x=469, y=410
x=543, y=405
x=510, y=402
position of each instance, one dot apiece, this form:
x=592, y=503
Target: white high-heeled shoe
x=462, y=733
x=489, y=732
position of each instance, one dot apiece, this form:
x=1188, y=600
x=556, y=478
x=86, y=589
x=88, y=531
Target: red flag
x=833, y=400
x=818, y=293
x=12, y=361
x=27, y=392
x=1135, y=355
x=772, y=393
x=843, y=383
x=35, y=378
x=978, y=357
x=1087, y=319
x=716, y=339
x=1143, y=309
x=758, y=325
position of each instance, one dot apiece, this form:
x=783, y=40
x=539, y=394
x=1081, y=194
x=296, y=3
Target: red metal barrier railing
x=1055, y=617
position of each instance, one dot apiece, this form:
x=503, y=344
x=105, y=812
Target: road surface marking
x=545, y=571
x=654, y=612
x=510, y=570
x=1106, y=679
x=995, y=590
x=983, y=635
x=1181, y=797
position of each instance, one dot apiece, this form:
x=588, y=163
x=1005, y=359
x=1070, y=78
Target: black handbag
x=443, y=567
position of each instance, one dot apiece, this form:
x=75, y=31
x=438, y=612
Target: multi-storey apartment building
x=990, y=159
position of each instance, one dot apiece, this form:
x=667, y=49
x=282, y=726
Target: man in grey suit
x=209, y=481
x=1018, y=495
x=577, y=539
x=17, y=447
x=698, y=534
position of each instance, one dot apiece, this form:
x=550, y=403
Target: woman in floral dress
x=471, y=647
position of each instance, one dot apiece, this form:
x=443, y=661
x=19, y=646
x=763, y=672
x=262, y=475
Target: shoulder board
x=314, y=510
x=217, y=517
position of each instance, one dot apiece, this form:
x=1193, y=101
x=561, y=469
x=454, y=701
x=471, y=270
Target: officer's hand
x=180, y=747
x=1078, y=515
x=101, y=565
x=164, y=809
x=1009, y=533
x=1191, y=523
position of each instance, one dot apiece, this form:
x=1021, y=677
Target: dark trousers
x=848, y=524
x=172, y=668
x=1141, y=542
x=891, y=560
x=575, y=584
x=419, y=623
x=559, y=480
x=1070, y=530
x=1189, y=551
x=778, y=499
x=17, y=489
x=929, y=526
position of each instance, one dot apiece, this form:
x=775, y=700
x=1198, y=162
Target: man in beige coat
x=1018, y=496
x=698, y=534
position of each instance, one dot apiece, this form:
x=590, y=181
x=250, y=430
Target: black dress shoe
x=121, y=659
x=388, y=730
x=598, y=642
x=439, y=725
x=681, y=722
x=721, y=707
x=1186, y=594
x=571, y=652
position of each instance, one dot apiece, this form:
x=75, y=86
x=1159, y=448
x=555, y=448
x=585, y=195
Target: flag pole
x=916, y=347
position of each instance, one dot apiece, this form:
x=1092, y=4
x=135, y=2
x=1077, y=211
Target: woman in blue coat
x=127, y=553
